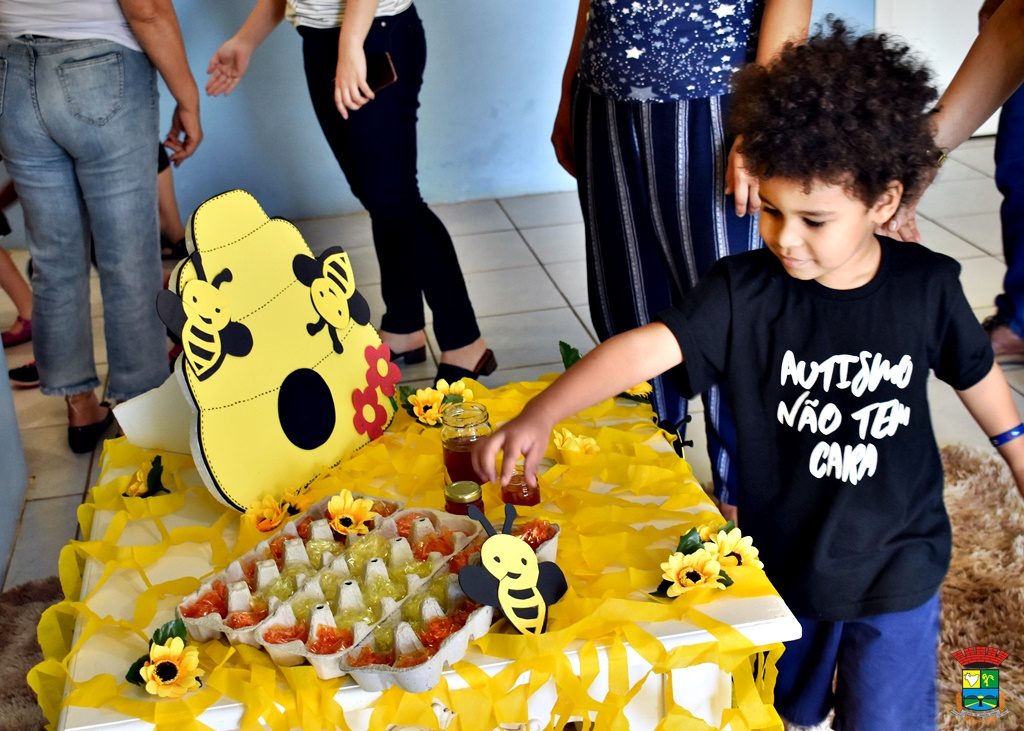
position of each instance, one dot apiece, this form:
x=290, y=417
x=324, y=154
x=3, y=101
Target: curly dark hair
x=840, y=109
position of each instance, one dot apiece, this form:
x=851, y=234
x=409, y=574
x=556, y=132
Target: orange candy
x=214, y=600
x=330, y=640
x=279, y=634
x=238, y=620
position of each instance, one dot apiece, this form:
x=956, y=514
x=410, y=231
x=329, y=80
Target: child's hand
x=526, y=435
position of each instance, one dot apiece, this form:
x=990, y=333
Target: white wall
x=491, y=90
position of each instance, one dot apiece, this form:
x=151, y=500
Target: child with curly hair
x=826, y=337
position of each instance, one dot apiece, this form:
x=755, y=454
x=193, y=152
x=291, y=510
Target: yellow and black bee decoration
x=201, y=318
x=332, y=289
x=511, y=578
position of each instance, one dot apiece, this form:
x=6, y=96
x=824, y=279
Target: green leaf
x=452, y=398
x=690, y=542
x=134, y=675
x=394, y=403
x=724, y=579
x=154, y=480
x=174, y=628
x=662, y=590
x=569, y=354
x=727, y=527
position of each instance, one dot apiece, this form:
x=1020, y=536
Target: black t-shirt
x=840, y=476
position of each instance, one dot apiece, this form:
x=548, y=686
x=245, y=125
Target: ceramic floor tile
x=349, y=232
x=473, y=217
x=554, y=244
x=960, y=197
x=981, y=229
x=36, y=410
x=512, y=290
x=491, y=251
x=527, y=373
x=583, y=312
x=46, y=525
x=982, y=280
x=53, y=469
x=978, y=157
x=548, y=209
x=420, y=371
x=571, y=278
x=955, y=170
x=530, y=338
x=939, y=239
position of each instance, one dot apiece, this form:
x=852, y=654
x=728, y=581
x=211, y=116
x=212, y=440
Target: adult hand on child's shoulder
x=740, y=184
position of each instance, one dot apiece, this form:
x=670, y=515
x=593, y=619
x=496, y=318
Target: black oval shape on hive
x=305, y=408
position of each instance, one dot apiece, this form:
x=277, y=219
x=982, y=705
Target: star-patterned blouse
x=666, y=50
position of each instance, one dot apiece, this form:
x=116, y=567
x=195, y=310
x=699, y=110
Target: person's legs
x=172, y=231
x=54, y=220
x=1007, y=328
x=886, y=676
x=803, y=688
x=376, y=148
x=15, y=286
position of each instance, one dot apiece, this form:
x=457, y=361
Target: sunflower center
x=693, y=576
x=166, y=671
x=738, y=557
x=346, y=522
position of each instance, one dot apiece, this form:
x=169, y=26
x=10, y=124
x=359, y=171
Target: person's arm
x=782, y=21
x=350, y=88
x=618, y=363
x=155, y=26
x=231, y=60
x=991, y=405
x=990, y=73
x=561, y=135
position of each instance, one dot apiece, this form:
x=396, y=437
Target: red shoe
x=18, y=333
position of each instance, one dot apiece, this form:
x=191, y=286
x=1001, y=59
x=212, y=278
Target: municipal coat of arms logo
x=979, y=696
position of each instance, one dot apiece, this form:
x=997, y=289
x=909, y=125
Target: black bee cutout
x=511, y=578
x=332, y=289
x=201, y=318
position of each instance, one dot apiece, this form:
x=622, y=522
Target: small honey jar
x=517, y=492
x=458, y=496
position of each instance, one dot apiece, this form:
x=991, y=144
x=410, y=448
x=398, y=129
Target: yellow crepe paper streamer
x=610, y=508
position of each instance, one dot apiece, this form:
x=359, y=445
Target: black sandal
x=451, y=373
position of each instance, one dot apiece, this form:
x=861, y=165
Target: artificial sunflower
x=642, y=390
x=172, y=669
x=458, y=388
x=735, y=549
x=426, y=405
x=569, y=444
x=685, y=571
x=138, y=487
x=349, y=515
x=270, y=512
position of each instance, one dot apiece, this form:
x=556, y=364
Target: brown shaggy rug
x=982, y=598
x=20, y=609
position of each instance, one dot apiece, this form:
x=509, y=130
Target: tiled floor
x=523, y=260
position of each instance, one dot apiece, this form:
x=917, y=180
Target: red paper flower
x=370, y=418
x=382, y=373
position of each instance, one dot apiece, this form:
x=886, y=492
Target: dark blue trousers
x=883, y=666
x=1010, y=181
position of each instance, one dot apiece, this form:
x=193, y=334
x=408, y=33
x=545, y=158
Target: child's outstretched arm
x=991, y=405
x=613, y=366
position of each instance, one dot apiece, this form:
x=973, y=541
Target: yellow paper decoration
x=610, y=548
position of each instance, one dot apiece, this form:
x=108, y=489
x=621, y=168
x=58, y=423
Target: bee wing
x=236, y=339
x=551, y=582
x=305, y=268
x=172, y=314
x=359, y=308
x=479, y=585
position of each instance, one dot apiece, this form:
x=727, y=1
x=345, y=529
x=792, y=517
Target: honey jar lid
x=463, y=491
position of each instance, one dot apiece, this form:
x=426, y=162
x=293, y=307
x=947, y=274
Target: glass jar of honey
x=517, y=492
x=462, y=424
x=458, y=496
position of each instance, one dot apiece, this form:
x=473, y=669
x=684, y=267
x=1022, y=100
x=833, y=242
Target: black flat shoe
x=172, y=250
x=484, y=367
x=83, y=439
x=410, y=357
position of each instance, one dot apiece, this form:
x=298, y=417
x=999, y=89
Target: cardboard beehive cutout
x=510, y=577
x=280, y=365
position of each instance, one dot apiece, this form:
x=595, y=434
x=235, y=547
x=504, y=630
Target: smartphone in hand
x=380, y=71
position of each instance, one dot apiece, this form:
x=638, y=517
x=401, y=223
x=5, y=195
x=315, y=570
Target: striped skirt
x=651, y=179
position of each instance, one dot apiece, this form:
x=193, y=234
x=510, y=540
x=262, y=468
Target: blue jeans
x=886, y=672
x=77, y=124
x=1010, y=181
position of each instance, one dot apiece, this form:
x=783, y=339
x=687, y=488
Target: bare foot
x=403, y=342
x=467, y=356
x=85, y=409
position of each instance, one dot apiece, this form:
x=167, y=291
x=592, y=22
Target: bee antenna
x=475, y=514
x=510, y=515
x=197, y=262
